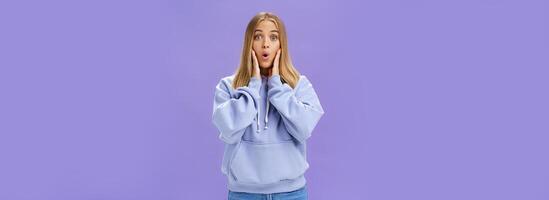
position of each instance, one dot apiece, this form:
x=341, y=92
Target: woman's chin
x=265, y=66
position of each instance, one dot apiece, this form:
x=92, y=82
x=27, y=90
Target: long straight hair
x=287, y=71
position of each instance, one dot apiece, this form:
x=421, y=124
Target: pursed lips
x=265, y=56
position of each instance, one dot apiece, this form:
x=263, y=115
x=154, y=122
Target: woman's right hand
x=255, y=66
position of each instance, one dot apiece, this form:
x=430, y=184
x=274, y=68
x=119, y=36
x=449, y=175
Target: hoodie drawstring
x=266, y=116
x=257, y=120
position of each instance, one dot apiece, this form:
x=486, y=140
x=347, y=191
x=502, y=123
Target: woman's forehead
x=266, y=26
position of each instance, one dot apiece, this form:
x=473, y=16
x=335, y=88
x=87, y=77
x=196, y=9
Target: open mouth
x=265, y=56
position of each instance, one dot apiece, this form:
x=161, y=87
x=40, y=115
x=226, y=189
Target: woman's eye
x=257, y=37
x=274, y=37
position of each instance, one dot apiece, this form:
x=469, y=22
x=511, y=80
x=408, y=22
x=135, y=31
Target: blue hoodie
x=265, y=126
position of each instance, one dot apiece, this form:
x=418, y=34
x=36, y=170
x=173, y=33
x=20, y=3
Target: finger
x=254, y=58
x=253, y=55
x=277, y=58
x=250, y=68
x=255, y=65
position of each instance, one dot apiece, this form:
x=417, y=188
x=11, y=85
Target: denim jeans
x=300, y=194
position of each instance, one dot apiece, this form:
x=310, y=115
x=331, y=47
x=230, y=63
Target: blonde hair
x=288, y=73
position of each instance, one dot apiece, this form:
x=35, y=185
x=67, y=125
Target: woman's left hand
x=276, y=63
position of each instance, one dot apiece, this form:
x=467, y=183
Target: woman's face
x=265, y=43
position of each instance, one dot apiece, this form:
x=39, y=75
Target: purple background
x=424, y=99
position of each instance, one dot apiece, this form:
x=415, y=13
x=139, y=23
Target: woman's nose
x=266, y=44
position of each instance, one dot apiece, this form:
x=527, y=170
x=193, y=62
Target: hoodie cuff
x=254, y=85
x=274, y=81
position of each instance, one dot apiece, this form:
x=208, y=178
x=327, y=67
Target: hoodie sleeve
x=299, y=108
x=232, y=114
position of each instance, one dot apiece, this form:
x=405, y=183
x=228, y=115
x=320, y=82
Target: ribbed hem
x=281, y=186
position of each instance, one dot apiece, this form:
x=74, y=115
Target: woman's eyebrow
x=262, y=30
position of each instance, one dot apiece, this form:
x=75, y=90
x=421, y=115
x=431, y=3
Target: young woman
x=265, y=113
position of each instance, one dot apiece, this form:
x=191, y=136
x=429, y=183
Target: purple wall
x=424, y=99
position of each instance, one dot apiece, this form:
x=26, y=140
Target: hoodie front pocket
x=267, y=163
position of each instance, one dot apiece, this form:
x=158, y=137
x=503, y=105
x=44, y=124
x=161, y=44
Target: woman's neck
x=265, y=72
